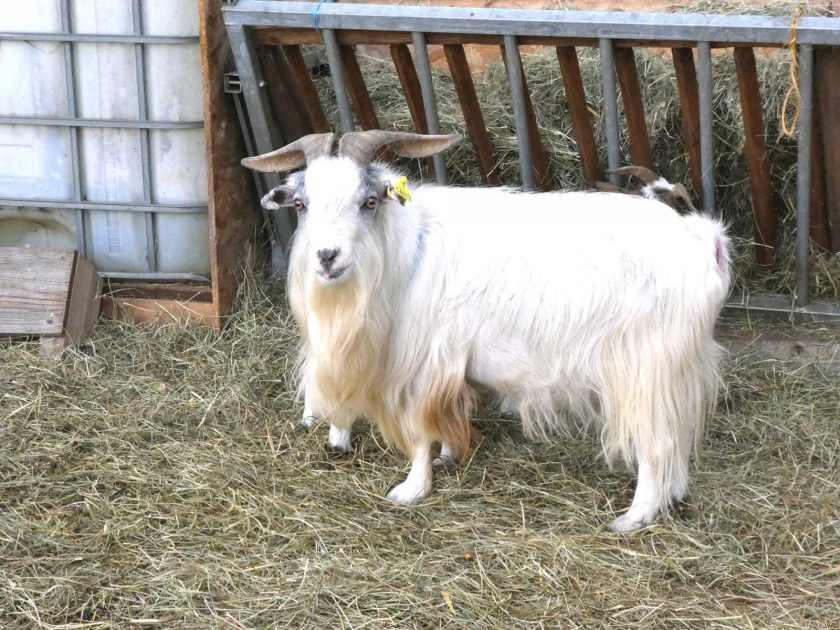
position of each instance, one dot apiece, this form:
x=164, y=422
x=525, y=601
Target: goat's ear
x=281, y=196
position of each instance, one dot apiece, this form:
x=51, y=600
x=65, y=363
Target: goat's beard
x=345, y=327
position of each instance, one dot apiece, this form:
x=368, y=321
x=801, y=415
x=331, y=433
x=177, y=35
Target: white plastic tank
x=36, y=160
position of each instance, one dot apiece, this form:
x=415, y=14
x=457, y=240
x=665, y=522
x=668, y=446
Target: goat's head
x=339, y=198
x=654, y=187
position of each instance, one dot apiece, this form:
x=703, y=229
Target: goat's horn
x=361, y=146
x=679, y=192
x=612, y=188
x=640, y=172
x=299, y=153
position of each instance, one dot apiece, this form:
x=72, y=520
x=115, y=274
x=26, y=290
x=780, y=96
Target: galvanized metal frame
x=599, y=28
x=424, y=74
x=74, y=123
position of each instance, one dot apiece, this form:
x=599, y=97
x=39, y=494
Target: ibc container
x=101, y=133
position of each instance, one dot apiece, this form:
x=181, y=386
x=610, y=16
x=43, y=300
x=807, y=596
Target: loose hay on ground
x=158, y=475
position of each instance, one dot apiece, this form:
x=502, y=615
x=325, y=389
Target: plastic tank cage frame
x=143, y=124
x=254, y=25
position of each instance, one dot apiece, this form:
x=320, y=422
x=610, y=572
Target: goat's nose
x=328, y=256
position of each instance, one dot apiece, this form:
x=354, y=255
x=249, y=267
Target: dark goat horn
x=299, y=153
x=679, y=192
x=612, y=188
x=640, y=172
x=361, y=146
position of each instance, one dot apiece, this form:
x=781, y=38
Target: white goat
x=591, y=306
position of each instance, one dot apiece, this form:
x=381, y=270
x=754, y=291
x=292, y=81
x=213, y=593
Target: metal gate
x=288, y=24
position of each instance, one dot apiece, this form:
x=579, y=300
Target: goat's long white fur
x=590, y=306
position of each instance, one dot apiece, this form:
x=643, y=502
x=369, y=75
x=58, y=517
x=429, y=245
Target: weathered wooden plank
x=306, y=89
x=235, y=216
x=686, y=75
x=581, y=122
x=474, y=119
x=34, y=285
x=358, y=90
x=761, y=185
x=634, y=107
x=820, y=229
x=827, y=69
x=542, y=170
x=83, y=301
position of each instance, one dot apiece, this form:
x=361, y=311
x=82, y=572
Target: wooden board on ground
x=48, y=293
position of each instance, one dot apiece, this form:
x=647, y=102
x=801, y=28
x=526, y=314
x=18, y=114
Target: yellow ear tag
x=401, y=188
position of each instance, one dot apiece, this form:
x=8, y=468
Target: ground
x=157, y=477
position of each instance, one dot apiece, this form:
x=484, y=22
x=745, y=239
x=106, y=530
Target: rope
x=788, y=131
x=316, y=14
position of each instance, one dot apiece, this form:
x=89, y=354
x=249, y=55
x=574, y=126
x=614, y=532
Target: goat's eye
x=370, y=203
x=299, y=205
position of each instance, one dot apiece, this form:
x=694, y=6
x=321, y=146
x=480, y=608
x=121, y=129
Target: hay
x=155, y=477
x=665, y=128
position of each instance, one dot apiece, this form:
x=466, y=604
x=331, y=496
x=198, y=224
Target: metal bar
x=803, y=168
x=707, y=137
x=142, y=114
x=661, y=27
x=160, y=276
x=75, y=162
x=265, y=134
x=94, y=122
x=107, y=205
x=427, y=89
x=345, y=110
x=783, y=307
x=520, y=112
x=97, y=38
x=608, y=81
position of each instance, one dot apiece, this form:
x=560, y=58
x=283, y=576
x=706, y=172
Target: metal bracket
x=233, y=85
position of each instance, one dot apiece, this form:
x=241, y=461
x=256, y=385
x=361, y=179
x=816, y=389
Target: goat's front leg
x=418, y=484
x=340, y=437
x=311, y=417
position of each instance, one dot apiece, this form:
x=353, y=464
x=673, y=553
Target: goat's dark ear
x=281, y=196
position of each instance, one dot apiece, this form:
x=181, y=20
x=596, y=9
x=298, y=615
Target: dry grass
x=156, y=477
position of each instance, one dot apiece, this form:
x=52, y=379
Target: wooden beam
x=358, y=90
x=755, y=135
x=690, y=104
x=287, y=109
x=299, y=36
x=820, y=228
x=235, y=216
x=473, y=118
x=634, y=107
x=538, y=154
x=407, y=73
x=827, y=69
x=581, y=122
x=306, y=89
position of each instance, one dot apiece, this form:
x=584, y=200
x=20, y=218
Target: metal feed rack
x=244, y=18
x=143, y=124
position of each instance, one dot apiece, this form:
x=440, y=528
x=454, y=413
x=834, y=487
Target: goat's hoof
x=310, y=422
x=339, y=440
x=442, y=461
x=632, y=520
x=407, y=494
